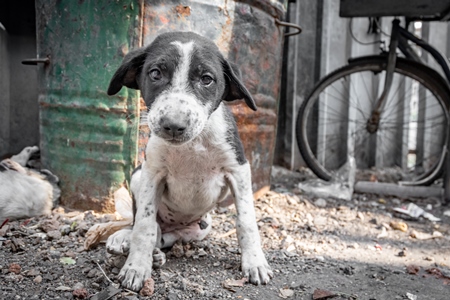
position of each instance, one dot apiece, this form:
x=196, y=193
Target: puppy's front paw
x=256, y=268
x=133, y=274
x=119, y=242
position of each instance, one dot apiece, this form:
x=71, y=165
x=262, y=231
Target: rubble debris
x=340, y=188
x=80, y=293
x=412, y=269
x=148, y=289
x=415, y=211
x=402, y=226
x=323, y=294
x=425, y=236
x=14, y=268
x=106, y=294
x=229, y=284
x=286, y=293
x=411, y=296
x=320, y=202
x=403, y=252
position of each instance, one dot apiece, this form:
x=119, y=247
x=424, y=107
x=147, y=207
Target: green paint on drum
x=88, y=139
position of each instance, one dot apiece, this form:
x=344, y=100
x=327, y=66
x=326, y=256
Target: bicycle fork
x=374, y=120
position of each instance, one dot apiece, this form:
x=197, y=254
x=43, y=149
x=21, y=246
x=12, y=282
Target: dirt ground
x=318, y=249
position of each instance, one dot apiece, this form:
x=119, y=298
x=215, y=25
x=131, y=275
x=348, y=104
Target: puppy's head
x=183, y=78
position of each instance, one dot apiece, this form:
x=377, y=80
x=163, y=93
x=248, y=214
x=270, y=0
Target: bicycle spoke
x=409, y=135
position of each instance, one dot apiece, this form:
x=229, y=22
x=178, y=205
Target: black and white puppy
x=194, y=156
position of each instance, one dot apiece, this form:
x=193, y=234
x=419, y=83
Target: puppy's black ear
x=234, y=88
x=127, y=73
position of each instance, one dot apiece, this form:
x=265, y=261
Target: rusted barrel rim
x=273, y=8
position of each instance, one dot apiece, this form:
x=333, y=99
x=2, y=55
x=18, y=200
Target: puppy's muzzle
x=172, y=128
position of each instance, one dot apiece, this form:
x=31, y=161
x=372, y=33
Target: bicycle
x=350, y=112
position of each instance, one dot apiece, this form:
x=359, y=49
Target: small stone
x=14, y=268
x=353, y=246
x=360, y=216
x=78, y=286
x=412, y=269
x=177, y=250
x=54, y=235
x=320, y=258
x=49, y=225
x=33, y=272
x=37, y=279
x=320, y=221
x=80, y=293
x=54, y=254
x=92, y=273
x=286, y=293
x=189, y=253
x=402, y=226
x=320, y=202
x=166, y=276
x=202, y=252
x=65, y=229
x=149, y=288
x=70, y=254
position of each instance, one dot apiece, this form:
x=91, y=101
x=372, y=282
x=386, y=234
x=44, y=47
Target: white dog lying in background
x=26, y=192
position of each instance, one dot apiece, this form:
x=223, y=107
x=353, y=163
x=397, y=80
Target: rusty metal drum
x=87, y=138
x=247, y=34
x=92, y=141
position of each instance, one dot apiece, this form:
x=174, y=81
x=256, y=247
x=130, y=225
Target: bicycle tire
x=428, y=81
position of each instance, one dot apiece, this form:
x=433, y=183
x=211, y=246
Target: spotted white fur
x=177, y=103
x=183, y=178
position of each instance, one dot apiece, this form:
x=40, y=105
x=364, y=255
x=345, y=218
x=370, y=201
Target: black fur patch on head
x=233, y=137
x=206, y=65
x=151, y=70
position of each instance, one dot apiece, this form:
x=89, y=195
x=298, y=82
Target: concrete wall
x=19, y=109
x=302, y=73
x=24, y=107
x=4, y=92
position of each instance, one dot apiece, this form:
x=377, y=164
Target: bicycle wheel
x=410, y=138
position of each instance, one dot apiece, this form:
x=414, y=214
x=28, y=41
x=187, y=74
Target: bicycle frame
x=399, y=39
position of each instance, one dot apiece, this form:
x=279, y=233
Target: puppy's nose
x=173, y=128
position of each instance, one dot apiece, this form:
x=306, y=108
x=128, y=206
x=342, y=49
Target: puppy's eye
x=206, y=80
x=155, y=74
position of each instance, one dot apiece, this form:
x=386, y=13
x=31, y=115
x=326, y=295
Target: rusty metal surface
x=87, y=138
x=246, y=32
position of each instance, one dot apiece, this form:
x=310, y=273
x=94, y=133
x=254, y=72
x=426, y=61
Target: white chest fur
x=195, y=171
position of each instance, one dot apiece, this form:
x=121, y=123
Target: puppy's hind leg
x=196, y=231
